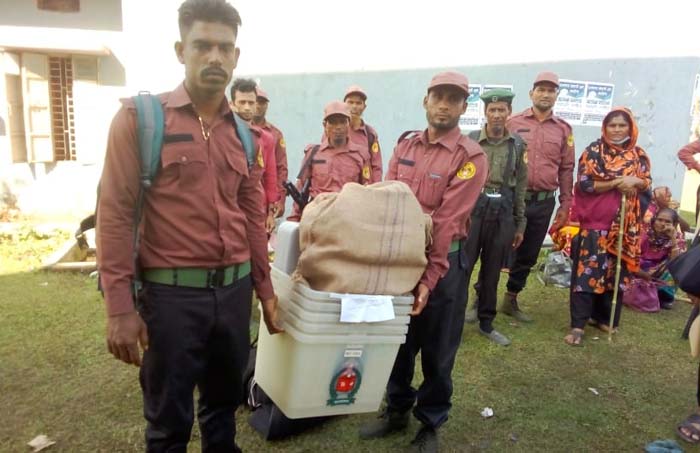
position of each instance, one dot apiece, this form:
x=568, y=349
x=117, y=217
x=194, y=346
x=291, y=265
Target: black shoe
x=426, y=441
x=667, y=305
x=387, y=423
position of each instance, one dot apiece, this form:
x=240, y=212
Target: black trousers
x=585, y=306
x=197, y=338
x=538, y=214
x=436, y=333
x=489, y=240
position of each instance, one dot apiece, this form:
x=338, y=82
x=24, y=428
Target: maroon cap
x=547, y=76
x=259, y=92
x=335, y=108
x=355, y=89
x=450, y=78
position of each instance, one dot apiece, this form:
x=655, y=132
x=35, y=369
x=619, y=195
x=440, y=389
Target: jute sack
x=364, y=240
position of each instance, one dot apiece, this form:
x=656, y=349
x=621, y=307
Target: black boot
x=426, y=441
x=387, y=423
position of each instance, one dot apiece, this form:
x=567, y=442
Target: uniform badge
x=525, y=157
x=375, y=147
x=365, y=172
x=282, y=144
x=467, y=171
x=261, y=161
x=570, y=140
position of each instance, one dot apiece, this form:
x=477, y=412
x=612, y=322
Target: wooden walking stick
x=618, y=265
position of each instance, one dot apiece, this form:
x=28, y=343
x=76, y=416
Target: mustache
x=214, y=71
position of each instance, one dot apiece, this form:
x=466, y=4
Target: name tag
x=493, y=195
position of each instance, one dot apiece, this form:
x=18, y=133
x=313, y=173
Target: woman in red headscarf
x=609, y=167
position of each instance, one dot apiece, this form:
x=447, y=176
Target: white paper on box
x=365, y=308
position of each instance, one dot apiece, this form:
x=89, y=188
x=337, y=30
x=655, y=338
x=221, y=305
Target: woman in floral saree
x=609, y=167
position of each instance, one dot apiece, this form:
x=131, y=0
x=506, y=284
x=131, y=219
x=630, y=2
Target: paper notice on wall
x=584, y=103
x=471, y=119
x=569, y=105
x=599, y=101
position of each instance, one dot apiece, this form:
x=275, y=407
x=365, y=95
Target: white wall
x=93, y=15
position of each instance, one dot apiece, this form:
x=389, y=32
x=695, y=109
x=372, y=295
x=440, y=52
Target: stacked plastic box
x=320, y=366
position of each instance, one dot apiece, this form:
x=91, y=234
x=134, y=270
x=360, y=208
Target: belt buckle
x=215, y=277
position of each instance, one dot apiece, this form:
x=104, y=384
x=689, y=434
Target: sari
x=599, y=213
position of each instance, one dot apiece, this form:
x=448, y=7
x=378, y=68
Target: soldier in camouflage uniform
x=498, y=220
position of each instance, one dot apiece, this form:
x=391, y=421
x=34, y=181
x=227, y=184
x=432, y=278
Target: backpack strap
x=510, y=164
x=407, y=134
x=474, y=135
x=309, y=161
x=246, y=138
x=150, y=126
x=371, y=138
x=515, y=149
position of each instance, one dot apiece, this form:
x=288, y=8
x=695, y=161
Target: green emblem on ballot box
x=345, y=383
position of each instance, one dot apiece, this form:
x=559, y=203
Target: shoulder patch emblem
x=261, y=161
x=525, y=157
x=282, y=144
x=375, y=147
x=366, y=172
x=467, y=171
x=570, y=140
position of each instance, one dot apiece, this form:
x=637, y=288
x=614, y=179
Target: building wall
x=658, y=91
x=93, y=15
x=66, y=189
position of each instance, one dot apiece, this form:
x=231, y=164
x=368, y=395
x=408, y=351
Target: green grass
x=56, y=378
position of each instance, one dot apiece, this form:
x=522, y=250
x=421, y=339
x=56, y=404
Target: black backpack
x=267, y=418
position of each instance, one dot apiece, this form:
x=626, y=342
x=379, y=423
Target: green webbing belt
x=196, y=277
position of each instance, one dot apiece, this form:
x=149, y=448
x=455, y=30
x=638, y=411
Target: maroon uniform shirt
x=266, y=167
x=202, y=211
x=550, y=154
x=280, y=161
x=446, y=176
x=330, y=169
